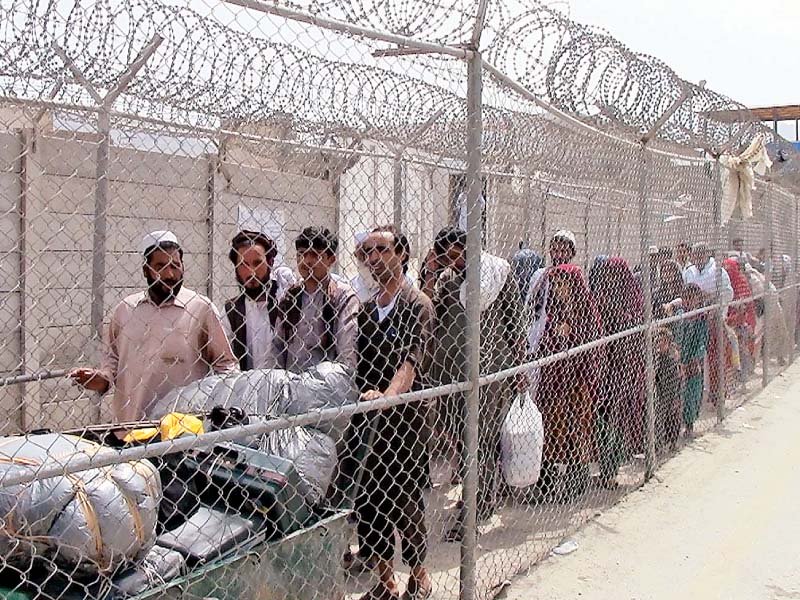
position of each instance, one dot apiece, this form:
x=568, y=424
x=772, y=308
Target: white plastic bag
x=521, y=443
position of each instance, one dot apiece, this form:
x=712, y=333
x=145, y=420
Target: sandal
x=380, y=592
x=418, y=593
x=354, y=564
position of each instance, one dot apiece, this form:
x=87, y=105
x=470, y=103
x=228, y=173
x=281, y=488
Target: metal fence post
x=29, y=171
x=474, y=221
x=397, y=191
x=100, y=224
x=720, y=321
x=768, y=247
x=211, y=201
x=543, y=221
x=100, y=198
x=104, y=104
x=795, y=279
x=586, y=218
x=647, y=289
x=647, y=293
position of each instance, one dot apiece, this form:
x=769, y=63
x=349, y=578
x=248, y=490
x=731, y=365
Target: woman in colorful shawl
x=620, y=410
x=568, y=388
x=770, y=316
x=742, y=317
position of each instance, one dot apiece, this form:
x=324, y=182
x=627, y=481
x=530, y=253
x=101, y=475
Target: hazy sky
x=746, y=49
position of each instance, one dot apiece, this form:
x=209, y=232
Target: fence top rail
x=202, y=82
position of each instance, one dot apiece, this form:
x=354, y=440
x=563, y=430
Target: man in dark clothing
x=395, y=333
x=502, y=346
x=250, y=317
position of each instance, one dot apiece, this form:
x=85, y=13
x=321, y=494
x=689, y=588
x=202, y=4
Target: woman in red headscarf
x=742, y=317
x=568, y=388
x=621, y=402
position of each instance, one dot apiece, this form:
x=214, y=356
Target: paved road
x=722, y=520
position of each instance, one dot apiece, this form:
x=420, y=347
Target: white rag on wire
x=494, y=273
x=739, y=178
x=461, y=207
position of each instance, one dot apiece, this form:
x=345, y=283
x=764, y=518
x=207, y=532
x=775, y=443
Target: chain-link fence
x=326, y=299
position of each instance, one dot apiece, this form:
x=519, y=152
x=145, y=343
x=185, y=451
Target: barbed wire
x=206, y=73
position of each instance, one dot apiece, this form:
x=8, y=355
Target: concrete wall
x=47, y=200
x=47, y=185
x=367, y=199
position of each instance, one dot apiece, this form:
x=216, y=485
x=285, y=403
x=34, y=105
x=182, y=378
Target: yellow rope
x=91, y=518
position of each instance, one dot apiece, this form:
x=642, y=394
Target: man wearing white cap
x=162, y=338
x=656, y=258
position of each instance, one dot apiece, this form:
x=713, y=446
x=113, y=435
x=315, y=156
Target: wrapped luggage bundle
x=96, y=520
x=280, y=393
x=270, y=393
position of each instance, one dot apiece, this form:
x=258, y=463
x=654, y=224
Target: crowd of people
x=399, y=335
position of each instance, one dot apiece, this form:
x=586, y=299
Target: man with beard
x=502, y=346
x=250, y=317
x=158, y=339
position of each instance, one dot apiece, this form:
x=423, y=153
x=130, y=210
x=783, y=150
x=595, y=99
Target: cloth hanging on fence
x=461, y=207
x=738, y=178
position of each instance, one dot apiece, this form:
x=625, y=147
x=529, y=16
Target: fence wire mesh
x=325, y=300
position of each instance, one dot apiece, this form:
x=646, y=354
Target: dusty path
x=720, y=520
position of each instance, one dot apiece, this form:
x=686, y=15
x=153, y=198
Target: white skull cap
x=158, y=237
x=566, y=235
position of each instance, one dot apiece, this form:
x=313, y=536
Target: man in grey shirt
x=318, y=316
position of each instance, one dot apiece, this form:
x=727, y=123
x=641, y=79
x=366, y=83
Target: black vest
x=235, y=311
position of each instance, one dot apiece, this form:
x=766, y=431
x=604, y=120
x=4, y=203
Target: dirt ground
x=719, y=520
x=523, y=533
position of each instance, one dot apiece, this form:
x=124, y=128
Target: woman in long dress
x=742, y=317
x=568, y=388
x=620, y=413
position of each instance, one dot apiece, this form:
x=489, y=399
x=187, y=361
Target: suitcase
x=256, y=485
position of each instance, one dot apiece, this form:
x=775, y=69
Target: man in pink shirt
x=158, y=339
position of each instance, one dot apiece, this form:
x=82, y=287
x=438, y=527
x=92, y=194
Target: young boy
x=668, y=390
x=694, y=345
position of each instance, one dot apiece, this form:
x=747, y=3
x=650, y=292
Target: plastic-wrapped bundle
x=256, y=392
x=313, y=454
x=159, y=565
x=95, y=520
x=326, y=385
x=274, y=393
x=270, y=393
